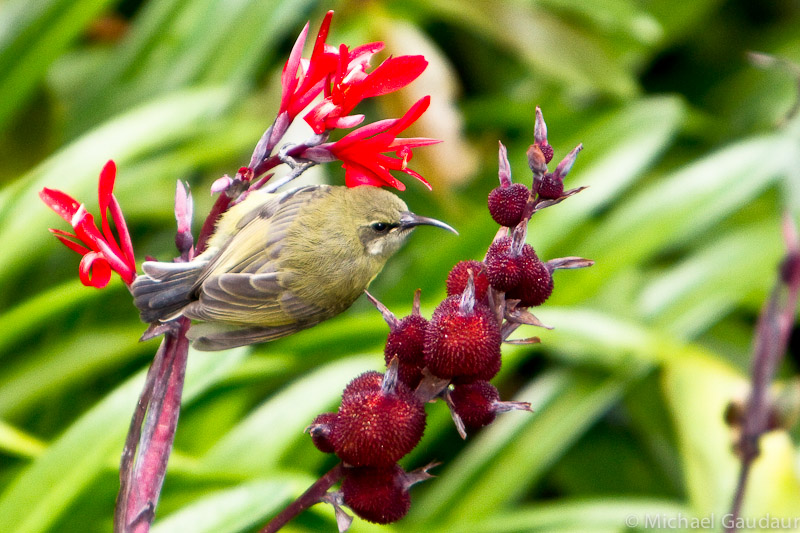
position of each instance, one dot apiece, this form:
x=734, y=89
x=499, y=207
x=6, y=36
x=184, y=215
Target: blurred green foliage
x=689, y=167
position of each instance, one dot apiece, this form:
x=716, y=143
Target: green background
x=689, y=164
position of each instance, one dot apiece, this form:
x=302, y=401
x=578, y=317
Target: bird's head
x=383, y=220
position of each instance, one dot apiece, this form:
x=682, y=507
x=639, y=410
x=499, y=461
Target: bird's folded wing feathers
x=260, y=235
x=252, y=298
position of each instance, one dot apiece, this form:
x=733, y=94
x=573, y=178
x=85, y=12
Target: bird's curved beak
x=409, y=220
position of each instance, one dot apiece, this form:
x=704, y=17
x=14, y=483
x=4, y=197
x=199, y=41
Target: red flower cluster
x=341, y=76
x=101, y=252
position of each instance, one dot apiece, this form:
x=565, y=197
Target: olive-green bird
x=279, y=263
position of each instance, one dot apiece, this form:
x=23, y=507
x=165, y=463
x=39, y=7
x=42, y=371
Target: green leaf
x=698, y=291
x=685, y=204
x=699, y=390
x=16, y=442
x=75, y=169
x=38, y=496
x=282, y=419
x=617, y=151
x=34, y=312
x=594, y=514
x=232, y=510
x=51, y=368
x=500, y=465
x=31, y=39
x=545, y=43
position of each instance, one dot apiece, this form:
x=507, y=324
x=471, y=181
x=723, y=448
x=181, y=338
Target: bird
x=278, y=263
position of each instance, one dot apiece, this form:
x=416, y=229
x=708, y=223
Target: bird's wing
x=212, y=336
x=260, y=234
x=263, y=299
x=243, y=283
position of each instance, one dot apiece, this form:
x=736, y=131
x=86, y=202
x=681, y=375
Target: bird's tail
x=165, y=289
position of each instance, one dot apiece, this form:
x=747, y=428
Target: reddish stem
x=308, y=498
x=219, y=207
x=771, y=338
x=141, y=479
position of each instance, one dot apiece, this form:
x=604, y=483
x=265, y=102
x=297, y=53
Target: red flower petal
x=66, y=238
x=350, y=121
x=63, y=204
x=362, y=54
x=289, y=74
x=106, y=185
x=393, y=74
x=94, y=270
x=124, y=234
x=411, y=116
x=105, y=195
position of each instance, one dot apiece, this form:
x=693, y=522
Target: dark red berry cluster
x=452, y=356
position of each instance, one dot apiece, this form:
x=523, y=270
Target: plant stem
x=142, y=474
x=306, y=500
x=771, y=338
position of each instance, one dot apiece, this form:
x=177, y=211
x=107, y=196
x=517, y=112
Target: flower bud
x=320, y=431
x=461, y=340
x=405, y=342
x=507, y=204
x=458, y=276
x=376, y=494
x=376, y=426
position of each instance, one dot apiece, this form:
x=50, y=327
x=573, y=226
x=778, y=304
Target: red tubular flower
x=352, y=84
x=100, y=250
x=362, y=151
x=299, y=90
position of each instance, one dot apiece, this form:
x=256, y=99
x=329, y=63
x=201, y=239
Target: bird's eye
x=380, y=227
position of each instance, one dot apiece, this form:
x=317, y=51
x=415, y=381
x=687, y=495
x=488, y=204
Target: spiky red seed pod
x=377, y=495
x=458, y=276
x=551, y=187
x=366, y=382
x=503, y=269
x=410, y=375
x=377, y=427
x=547, y=151
x=320, y=430
x=535, y=287
x=506, y=204
x=458, y=343
x=405, y=342
x=489, y=371
x=474, y=403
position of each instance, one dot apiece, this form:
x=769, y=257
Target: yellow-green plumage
x=279, y=263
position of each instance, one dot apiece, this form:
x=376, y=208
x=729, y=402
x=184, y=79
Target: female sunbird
x=279, y=263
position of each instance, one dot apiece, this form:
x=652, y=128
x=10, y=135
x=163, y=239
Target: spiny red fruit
x=376, y=427
x=405, y=342
x=377, y=495
x=458, y=276
x=535, y=286
x=320, y=430
x=547, y=151
x=503, y=269
x=551, y=187
x=490, y=370
x=461, y=343
x=475, y=402
x=506, y=204
x=366, y=382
